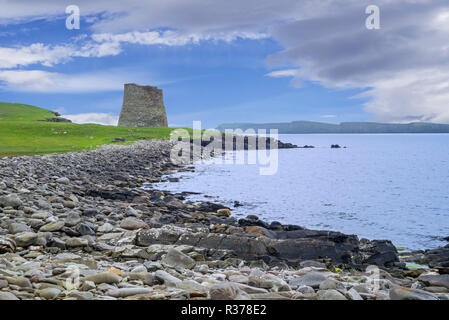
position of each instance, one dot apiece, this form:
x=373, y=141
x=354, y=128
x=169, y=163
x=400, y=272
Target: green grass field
x=21, y=132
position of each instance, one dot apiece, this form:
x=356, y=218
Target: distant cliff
x=298, y=127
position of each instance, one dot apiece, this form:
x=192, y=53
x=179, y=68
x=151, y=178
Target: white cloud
x=52, y=82
x=283, y=73
x=415, y=95
x=48, y=56
x=173, y=38
x=98, y=118
x=35, y=53
x=288, y=73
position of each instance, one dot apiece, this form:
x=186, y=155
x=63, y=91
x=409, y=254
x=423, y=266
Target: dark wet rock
x=253, y=222
x=438, y=259
x=210, y=207
x=252, y=217
x=435, y=280
x=291, y=227
x=296, y=250
x=380, y=252
x=56, y=120
x=382, y=258
x=313, y=245
x=400, y=293
x=275, y=225
x=237, y=204
x=113, y=194
x=241, y=142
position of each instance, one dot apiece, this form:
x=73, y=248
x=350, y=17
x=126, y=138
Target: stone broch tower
x=143, y=106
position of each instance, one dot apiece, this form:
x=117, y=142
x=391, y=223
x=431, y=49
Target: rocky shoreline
x=79, y=226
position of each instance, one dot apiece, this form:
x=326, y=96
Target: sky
x=230, y=61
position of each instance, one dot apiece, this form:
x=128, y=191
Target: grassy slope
x=22, y=134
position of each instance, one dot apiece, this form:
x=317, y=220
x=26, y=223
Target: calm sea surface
x=380, y=187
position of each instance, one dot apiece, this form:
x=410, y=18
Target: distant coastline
x=310, y=127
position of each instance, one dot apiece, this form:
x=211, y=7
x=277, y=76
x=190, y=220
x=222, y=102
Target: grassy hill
x=24, y=131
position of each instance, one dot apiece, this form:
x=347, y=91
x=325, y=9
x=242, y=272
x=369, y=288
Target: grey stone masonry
x=143, y=106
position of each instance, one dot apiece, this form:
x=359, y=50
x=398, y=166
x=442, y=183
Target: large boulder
x=379, y=252
x=438, y=259
x=399, y=293
x=177, y=259
x=10, y=200
x=227, y=291
x=435, y=280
